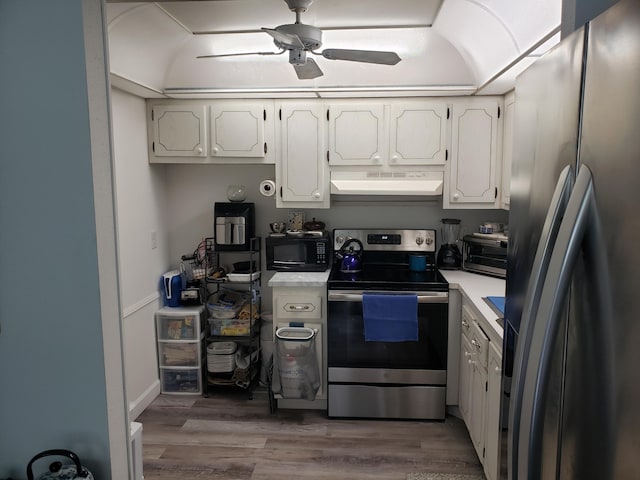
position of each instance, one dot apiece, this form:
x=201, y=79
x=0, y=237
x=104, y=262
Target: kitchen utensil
x=57, y=470
x=350, y=261
x=278, y=227
x=313, y=225
x=491, y=227
x=417, y=263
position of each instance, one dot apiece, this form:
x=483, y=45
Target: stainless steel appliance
x=573, y=268
x=234, y=225
x=299, y=252
x=379, y=376
x=485, y=253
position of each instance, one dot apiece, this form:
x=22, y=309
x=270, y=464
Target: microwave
x=485, y=253
x=298, y=253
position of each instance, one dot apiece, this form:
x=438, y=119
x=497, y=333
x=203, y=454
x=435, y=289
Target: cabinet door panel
x=492, y=425
x=356, y=134
x=418, y=134
x=237, y=131
x=474, y=155
x=179, y=131
x=303, y=173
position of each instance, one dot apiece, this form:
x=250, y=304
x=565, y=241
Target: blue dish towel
x=390, y=318
x=498, y=302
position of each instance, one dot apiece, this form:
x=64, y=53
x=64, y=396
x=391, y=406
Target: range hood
x=423, y=183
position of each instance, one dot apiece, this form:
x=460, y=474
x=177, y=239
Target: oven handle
x=356, y=296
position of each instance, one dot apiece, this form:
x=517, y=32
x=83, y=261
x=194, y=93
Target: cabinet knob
x=199, y=150
x=498, y=370
x=394, y=158
x=316, y=195
x=376, y=158
x=215, y=150
x=465, y=324
x=475, y=343
x=456, y=196
x=467, y=354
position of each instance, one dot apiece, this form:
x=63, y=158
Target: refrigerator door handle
x=580, y=229
x=548, y=237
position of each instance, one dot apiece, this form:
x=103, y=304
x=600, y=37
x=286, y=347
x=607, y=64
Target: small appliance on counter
x=299, y=251
x=485, y=253
x=449, y=257
x=234, y=224
x=172, y=288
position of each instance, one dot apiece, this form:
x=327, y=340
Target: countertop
x=474, y=287
x=299, y=279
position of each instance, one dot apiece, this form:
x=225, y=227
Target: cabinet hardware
x=152, y=115
x=153, y=146
x=265, y=148
x=280, y=114
x=498, y=112
x=327, y=115
x=327, y=156
x=496, y=193
x=446, y=154
x=280, y=192
x=264, y=114
x=448, y=113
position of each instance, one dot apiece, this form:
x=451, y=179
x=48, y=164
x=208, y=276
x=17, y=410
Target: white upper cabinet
x=212, y=131
x=418, y=133
x=238, y=130
x=473, y=169
x=302, y=174
x=392, y=133
x=356, y=134
x=507, y=148
x=179, y=131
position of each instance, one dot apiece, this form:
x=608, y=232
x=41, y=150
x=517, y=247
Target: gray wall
x=53, y=377
x=576, y=13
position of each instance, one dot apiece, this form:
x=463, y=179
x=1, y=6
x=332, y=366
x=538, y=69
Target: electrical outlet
x=154, y=240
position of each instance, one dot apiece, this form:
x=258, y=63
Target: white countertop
x=474, y=287
x=299, y=279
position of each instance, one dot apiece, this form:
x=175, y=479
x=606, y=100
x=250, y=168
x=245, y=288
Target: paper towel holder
x=268, y=188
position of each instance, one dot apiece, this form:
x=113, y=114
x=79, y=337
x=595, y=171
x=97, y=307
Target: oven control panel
x=408, y=240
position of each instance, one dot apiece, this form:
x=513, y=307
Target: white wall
x=193, y=189
x=141, y=213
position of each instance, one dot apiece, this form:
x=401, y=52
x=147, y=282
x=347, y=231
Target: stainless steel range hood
x=423, y=183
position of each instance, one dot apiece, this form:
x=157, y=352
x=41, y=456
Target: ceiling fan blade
x=366, y=56
x=285, y=39
x=308, y=71
x=241, y=54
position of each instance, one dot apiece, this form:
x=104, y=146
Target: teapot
x=350, y=259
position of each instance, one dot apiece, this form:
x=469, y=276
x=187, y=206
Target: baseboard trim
x=137, y=406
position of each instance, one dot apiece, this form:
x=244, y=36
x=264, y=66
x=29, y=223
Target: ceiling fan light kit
x=299, y=38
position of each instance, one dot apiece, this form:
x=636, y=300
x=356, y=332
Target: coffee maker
x=234, y=225
x=449, y=257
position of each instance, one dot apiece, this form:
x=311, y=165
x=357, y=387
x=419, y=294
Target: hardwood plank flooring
x=228, y=436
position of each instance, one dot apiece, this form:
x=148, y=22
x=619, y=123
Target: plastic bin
x=298, y=372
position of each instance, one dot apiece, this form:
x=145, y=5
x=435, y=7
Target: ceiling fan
x=299, y=39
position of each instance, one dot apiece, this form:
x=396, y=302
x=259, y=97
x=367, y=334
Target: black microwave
x=298, y=253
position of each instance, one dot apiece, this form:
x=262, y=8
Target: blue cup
x=417, y=263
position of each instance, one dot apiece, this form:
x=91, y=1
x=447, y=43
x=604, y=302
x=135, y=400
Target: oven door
x=348, y=348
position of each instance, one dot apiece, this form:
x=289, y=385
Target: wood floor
x=228, y=436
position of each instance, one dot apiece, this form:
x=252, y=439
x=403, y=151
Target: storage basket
x=226, y=303
x=298, y=372
x=221, y=357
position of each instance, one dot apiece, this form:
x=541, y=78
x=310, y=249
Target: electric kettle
x=57, y=470
x=350, y=259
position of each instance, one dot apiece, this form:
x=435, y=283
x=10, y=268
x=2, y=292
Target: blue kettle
x=171, y=287
x=350, y=259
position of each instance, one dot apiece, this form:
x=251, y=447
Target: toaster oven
x=485, y=253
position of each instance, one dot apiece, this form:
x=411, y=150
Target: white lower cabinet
x=479, y=389
x=492, y=430
x=303, y=306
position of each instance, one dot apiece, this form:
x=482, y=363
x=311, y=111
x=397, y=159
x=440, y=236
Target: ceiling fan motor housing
x=310, y=36
x=298, y=5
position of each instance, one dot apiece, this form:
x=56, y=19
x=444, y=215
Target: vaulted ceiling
x=447, y=47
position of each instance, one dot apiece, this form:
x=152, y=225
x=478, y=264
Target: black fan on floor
x=299, y=39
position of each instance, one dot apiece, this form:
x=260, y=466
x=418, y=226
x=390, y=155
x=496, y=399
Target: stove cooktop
x=398, y=278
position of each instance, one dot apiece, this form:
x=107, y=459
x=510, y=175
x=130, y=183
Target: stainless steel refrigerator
x=571, y=353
